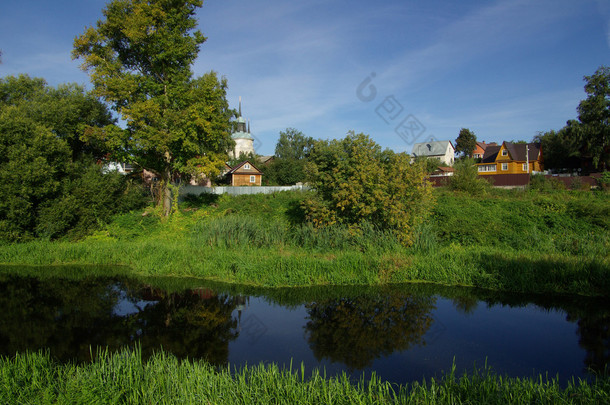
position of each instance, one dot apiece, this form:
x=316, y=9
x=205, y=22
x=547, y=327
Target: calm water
x=403, y=333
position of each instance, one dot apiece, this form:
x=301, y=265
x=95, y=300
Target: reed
x=123, y=378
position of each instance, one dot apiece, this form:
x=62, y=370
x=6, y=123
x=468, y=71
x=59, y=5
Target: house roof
x=432, y=148
x=265, y=159
x=491, y=152
x=245, y=171
x=517, y=151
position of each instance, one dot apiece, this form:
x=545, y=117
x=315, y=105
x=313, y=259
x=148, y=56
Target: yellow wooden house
x=511, y=158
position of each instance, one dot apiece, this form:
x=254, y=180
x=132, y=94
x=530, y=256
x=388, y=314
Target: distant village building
x=511, y=158
x=441, y=150
x=244, y=141
x=245, y=174
x=479, y=149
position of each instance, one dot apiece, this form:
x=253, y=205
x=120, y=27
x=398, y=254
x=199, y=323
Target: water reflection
x=359, y=330
x=353, y=328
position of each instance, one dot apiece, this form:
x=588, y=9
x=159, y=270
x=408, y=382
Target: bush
x=357, y=182
x=89, y=200
x=466, y=178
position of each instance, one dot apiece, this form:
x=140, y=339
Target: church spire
x=240, y=106
x=249, y=125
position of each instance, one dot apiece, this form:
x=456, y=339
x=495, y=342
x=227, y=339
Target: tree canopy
x=291, y=153
x=139, y=59
x=357, y=182
x=50, y=182
x=465, y=142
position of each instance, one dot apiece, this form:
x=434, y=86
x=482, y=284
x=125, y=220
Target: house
x=479, y=149
x=441, y=150
x=511, y=158
x=245, y=174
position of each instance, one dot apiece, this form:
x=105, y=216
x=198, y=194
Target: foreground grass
x=513, y=241
x=124, y=378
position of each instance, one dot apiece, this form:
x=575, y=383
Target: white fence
x=197, y=190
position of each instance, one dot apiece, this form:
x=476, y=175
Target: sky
x=401, y=71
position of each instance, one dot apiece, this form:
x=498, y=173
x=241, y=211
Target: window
x=247, y=166
x=504, y=166
x=487, y=168
x=504, y=152
x=525, y=167
x=477, y=156
x=252, y=179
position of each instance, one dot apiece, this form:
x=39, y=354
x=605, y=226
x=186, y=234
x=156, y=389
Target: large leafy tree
x=293, y=144
x=50, y=183
x=291, y=153
x=465, y=142
x=356, y=182
x=593, y=126
x=139, y=59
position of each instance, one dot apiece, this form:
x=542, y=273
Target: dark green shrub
x=466, y=178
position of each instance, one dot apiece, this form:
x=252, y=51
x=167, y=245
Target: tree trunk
x=166, y=192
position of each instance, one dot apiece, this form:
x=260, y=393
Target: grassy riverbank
x=124, y=378
x=506, y=240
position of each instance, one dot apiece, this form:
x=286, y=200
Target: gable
x=245, y=168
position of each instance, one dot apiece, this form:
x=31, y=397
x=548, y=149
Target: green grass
x=124, y=378
x=535, y=242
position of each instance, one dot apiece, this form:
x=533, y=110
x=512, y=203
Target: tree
x=593, y=128
x=356, y=182
x=466, y=142
x=465, y=178
x=139, y=59
x=291, y=153
x=50, y=183
x=559, y=150
x=293, y=144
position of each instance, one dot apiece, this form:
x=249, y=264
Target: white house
x=441, y=150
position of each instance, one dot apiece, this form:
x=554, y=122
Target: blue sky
x=505, y=69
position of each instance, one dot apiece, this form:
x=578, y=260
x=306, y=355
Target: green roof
x=242, y=135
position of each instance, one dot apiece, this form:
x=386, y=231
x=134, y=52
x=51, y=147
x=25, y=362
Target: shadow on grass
x=546, y=274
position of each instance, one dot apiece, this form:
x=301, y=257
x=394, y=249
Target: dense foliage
x=356, y=181
x=50, y=182
x=466, y=178
x=465, y=142
x=291, y=155
x=139, y=58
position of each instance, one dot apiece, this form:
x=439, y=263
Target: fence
x=197, y=190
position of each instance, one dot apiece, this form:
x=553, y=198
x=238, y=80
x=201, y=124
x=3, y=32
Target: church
x=244, y=141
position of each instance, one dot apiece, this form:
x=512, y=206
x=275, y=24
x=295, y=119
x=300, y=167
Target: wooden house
x=511, y=158
x=245, y=174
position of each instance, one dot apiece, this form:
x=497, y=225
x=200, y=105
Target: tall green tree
x=139, y=59
x=50, y=182
x=593, y=126
x=291, y=153
x=293, y=144
x=465, y=142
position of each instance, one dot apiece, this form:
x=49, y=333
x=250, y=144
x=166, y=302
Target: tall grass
x=123, y=378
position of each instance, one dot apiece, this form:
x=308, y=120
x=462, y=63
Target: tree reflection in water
x=356, y=331
x=70, y=318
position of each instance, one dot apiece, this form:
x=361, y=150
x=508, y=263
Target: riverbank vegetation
x=124, y=377
x=535, y=242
